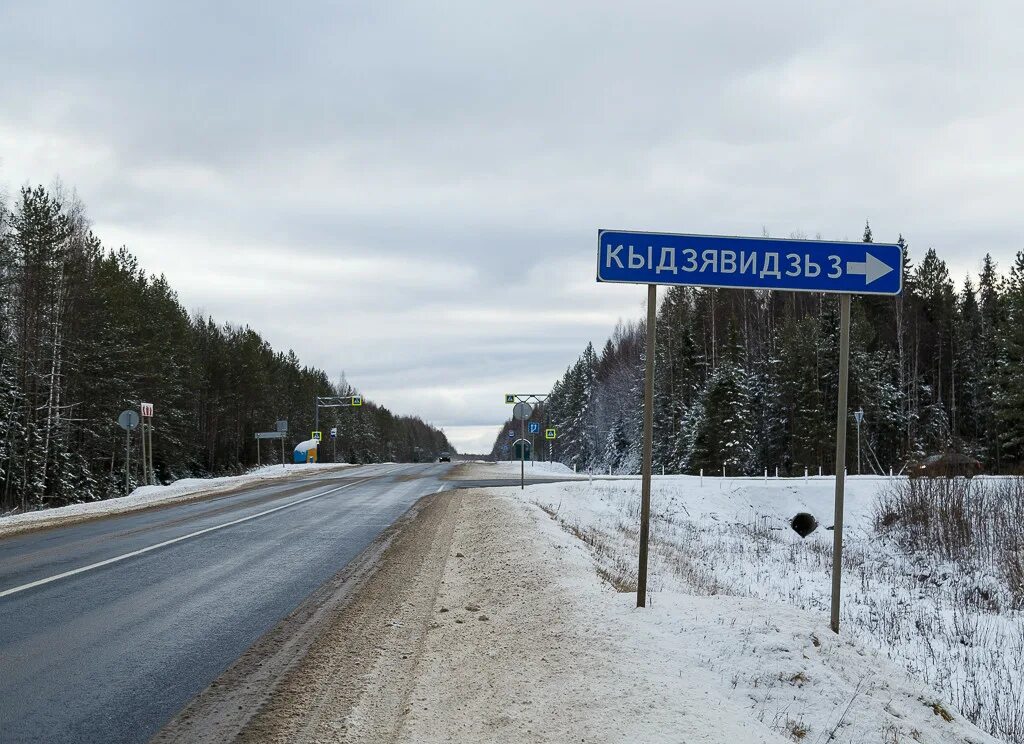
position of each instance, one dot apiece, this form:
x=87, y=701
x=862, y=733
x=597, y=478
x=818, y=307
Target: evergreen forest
x=85, y=333
x=748, y=380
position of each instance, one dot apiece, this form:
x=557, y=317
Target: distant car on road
x=444, y=457
x=949, y=465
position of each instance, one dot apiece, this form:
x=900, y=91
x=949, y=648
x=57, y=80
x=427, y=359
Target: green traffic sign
x=510, y=398
x=550, y=433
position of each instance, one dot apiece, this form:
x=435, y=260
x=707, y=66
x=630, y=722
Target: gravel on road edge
x=242, y=704
x=466, y=633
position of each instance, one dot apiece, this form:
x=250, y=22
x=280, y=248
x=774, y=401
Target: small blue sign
x=749, y=263
x=534, y=427
x=511, y=434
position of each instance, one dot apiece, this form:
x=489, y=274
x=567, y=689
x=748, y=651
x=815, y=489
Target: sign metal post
x=522, y=410
x=645, y=485
x=282, y=429
x=843, y=268
x=128, y=420
x=841, y=424
x=146, y=410
x=279, y=434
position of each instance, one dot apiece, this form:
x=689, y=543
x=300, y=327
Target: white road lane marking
x=165, y=543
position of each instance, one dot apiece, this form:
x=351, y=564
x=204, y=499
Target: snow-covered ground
x=147, y=496
x=505, y=469
x=517, y=639
x=732, y=537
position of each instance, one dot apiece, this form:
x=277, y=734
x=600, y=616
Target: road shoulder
x=473, y=629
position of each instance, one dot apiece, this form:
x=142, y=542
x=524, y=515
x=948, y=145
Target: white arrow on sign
x=871, y=268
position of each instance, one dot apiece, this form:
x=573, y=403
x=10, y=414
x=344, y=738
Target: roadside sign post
x=842, y=268
x=534, y=428
x=282, y=428
x=645, y=473
x=128, y=420
x=279, y=434
x=841, y=424
x=550, y=434
x=146, y=410
x=522, y=411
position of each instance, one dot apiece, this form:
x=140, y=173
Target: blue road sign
x=511, y=434
x=534, y=427
x=749, y=263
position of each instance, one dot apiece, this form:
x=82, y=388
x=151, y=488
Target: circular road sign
x=128, y=420
x=522, y=411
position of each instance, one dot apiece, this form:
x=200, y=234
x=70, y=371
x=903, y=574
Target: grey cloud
x=256, y=152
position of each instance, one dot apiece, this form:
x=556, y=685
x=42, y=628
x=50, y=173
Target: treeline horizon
x=85, y=333
x=748, y=380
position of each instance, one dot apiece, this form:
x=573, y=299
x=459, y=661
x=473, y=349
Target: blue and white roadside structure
x=749, y=263
x=719, y=261
x=305, y=451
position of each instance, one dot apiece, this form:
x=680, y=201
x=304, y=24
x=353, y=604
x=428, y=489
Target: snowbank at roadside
x=480, y=469
x=777, y=666
x=528, y=642
x=730, y=539
x=781, y=666
x=148, y=496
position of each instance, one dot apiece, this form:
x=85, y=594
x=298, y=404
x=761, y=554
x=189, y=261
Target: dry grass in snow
x=930, y=576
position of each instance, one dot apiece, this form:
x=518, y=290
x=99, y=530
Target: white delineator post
x=837, y=537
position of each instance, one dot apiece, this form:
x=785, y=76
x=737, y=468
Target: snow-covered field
x=147, y=496
x=954, y=631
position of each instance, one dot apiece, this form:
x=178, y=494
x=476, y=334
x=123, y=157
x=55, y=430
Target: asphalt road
x=110, y=652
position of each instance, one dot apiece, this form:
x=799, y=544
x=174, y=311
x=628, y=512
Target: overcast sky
x=410, y=192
